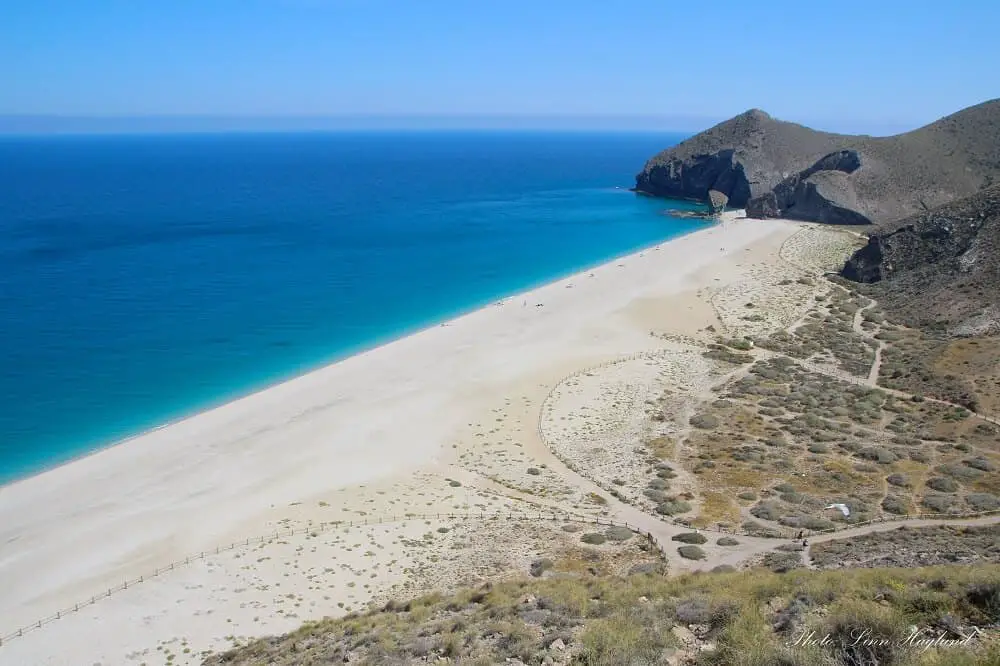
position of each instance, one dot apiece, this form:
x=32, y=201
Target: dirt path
x=661, y=531
x=621, y=513
x=626, y=514
x=893, y=525
x=879, y=344
x=842, y=376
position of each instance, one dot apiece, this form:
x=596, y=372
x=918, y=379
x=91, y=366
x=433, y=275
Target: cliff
x=775, y=168
x=940, y=268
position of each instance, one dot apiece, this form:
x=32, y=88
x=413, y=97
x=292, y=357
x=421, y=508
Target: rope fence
x=773, y=532
x=323, y=527
x=564, y=517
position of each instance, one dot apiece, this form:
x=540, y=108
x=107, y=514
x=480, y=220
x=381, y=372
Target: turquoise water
x=145, y=278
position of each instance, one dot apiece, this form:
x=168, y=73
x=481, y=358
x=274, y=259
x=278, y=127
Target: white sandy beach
x=380, y=433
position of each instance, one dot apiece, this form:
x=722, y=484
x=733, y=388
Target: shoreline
x=388, y=430
x=335, y=359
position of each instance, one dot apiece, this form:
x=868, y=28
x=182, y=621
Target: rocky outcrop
x=821, y=193
x=865, y=265
x=775, y=168
x=695, y=177
x=939, y=268
x=717, y=201
x=736, y=158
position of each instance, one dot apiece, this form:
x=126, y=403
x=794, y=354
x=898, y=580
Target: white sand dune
x=238, y=470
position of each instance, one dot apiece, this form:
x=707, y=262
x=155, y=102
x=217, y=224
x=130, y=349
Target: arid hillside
x=775, y=168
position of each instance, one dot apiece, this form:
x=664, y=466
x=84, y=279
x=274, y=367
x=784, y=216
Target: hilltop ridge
x=776, y=168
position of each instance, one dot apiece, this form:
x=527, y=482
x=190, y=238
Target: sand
x=443, y=421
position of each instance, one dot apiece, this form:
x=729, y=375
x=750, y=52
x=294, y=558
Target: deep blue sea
x=143, y=278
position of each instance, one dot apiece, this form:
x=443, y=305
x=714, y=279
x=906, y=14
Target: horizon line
x=199, y=123
x=29, y=124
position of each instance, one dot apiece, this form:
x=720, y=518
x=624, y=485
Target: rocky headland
x=775, y=168
x=940, y=268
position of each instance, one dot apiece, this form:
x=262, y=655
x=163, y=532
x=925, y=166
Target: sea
x=144, y=278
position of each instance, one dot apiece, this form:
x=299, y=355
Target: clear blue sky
x=843, y=65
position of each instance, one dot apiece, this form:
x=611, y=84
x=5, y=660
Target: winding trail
x=889, y=526
x=873, y=373
x=661, y=531
x=895, y=524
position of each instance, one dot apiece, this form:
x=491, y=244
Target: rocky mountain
x=939, y=268
x=775, y=168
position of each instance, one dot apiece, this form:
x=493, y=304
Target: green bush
x=938, y=503
x=769, y=510
x=986, y=598
x=942, y=484
x=691, y=552
x=655, y=495
x=740, y=344
x=895, y=505
x=540, y=566
x=704, y=421
x=689, y=537
x=618, y=533
x=980, y=463
x=983, y=501
x=673, y=507
x=898, y=480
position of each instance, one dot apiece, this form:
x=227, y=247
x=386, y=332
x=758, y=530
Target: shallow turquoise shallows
x=145, y=278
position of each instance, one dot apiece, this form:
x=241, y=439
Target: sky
x=876, y=66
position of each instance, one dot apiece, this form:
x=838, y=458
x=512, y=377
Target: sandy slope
x=381, y=432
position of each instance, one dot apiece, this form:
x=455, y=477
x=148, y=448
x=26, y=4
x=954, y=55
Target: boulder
x=717, y=201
